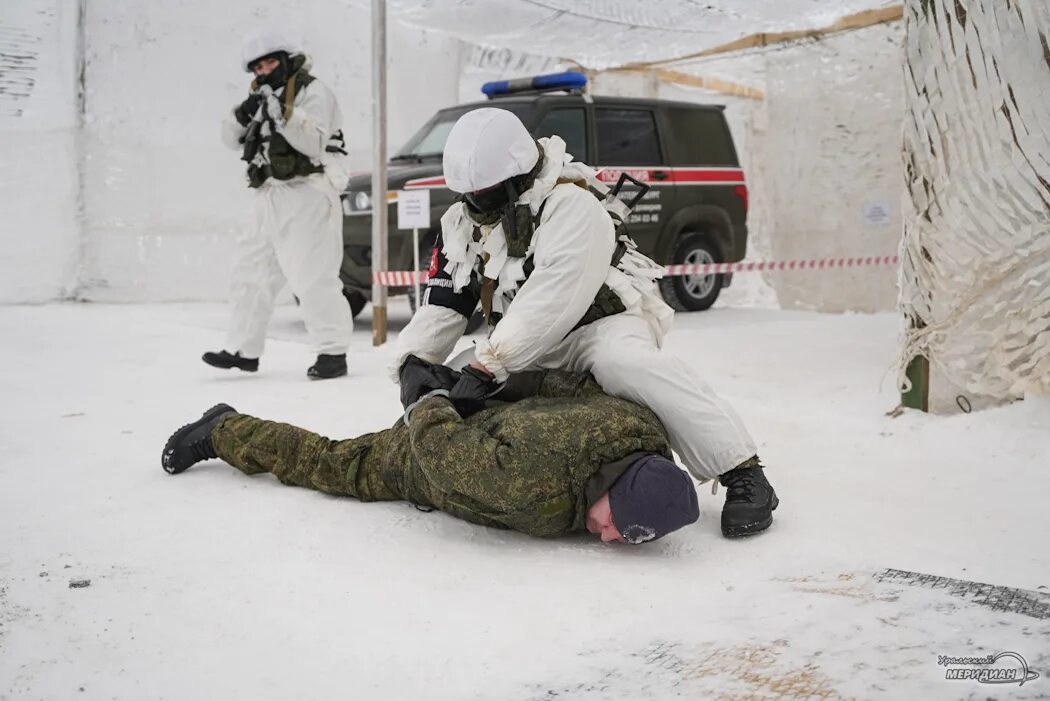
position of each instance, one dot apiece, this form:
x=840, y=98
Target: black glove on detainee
x=418, y=377
x=247, y=109
x=473, y=388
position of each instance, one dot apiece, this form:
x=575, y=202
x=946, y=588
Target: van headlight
x=362, y=201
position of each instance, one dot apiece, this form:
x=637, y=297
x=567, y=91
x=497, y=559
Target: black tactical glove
x=473, y=388
x=247, y=109
x=418, y=377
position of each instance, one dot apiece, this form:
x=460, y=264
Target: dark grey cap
x=652, y=498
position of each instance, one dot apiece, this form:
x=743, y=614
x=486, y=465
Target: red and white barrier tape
x=757, y=266
x=404, y=278
x=400, y=278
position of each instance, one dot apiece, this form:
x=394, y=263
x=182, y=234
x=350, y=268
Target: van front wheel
x=692, y=293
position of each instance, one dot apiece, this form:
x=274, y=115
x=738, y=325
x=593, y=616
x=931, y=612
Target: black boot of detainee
x=192, y=443
x=225, y=360
x=327, y=367
x=750, y=500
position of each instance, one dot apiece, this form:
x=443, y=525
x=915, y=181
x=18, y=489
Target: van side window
x=570, y=124
x=626, y=137
x=701, y=137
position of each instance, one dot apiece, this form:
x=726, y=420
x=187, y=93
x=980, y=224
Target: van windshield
x=429, y=142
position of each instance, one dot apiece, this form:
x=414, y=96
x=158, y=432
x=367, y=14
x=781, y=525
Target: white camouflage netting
x=975, y=278
x=604, y=33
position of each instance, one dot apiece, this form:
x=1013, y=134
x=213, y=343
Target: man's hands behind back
x=468, y=390
x=473, y=388
x=418, y=377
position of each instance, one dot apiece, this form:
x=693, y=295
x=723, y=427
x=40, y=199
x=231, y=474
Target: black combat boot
x=750, y=500
x=192, y=443
x=327, y=366
x=225, y=360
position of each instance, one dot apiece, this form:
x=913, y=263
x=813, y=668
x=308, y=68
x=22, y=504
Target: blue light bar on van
x=569, y=80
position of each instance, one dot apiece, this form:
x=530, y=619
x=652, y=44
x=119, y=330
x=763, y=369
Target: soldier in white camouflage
x=536, y=241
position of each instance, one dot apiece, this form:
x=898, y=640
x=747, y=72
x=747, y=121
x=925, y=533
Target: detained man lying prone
x=564, y=457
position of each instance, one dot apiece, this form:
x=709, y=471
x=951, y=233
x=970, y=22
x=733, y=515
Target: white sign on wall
x=877, y=213
x=413, y=209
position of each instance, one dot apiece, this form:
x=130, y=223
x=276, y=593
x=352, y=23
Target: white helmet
x=265, y=42
x=485, y=147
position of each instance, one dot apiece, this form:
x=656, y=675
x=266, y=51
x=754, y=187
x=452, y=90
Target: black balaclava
x=497, y=203
x=278, y=76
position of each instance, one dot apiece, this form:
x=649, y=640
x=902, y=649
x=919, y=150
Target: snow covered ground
x=214, y=585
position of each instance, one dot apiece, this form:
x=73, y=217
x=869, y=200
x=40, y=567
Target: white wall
x=164, y=199
x=484, y=63
x=829, y=145
x=38, y=163
x=143, y=203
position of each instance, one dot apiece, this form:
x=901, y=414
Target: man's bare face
x=265, y=66
x=600, y=521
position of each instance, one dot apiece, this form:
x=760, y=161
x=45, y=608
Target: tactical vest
x=284, y=162
x=606, y=302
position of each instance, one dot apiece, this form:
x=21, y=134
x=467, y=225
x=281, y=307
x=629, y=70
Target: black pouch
x=257, y=175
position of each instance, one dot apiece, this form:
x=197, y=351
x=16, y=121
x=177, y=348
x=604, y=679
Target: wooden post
x=857, y=20
x=415, y=263
x=379, y=199
x=715, y=84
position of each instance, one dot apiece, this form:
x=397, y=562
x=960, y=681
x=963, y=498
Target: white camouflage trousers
x=621, y=352
x=298, y=239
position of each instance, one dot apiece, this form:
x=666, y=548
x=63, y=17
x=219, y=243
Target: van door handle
x=660, y=174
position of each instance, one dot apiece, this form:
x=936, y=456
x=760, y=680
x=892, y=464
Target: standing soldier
x=530, y=241
x=290, y=132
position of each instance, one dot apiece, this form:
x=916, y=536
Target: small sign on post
x=413, y=212
x=413, y=209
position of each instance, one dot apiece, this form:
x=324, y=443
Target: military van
x=694, y=211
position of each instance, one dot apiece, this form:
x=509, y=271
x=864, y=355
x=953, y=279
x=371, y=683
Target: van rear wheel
x=356, y=300
x=692, y=293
